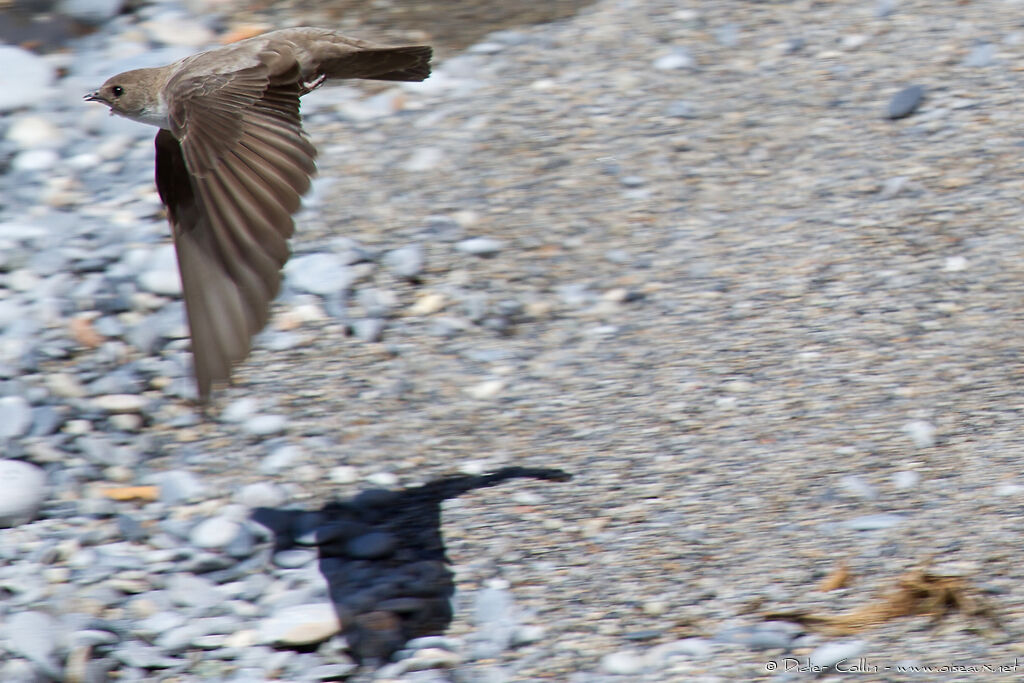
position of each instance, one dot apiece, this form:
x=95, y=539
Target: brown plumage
x=232, y=163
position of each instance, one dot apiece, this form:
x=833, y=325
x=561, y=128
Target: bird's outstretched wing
x=233, y=167
x=231, y=172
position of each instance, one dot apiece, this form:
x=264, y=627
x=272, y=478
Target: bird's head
x=134, y=95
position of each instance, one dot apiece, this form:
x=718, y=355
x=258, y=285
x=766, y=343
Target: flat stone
x=300, y=625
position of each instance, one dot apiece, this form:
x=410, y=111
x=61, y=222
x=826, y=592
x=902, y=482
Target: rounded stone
x=22, y=491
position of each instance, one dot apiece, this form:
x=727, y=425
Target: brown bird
x=232, y=163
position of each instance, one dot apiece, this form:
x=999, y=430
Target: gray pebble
x=294, y=558
x=905, y=102
x=873, y=522
x=33, y=635
x=179, y=486
x=15, y=417
x=25, y=78
x=215, y=532
x=282, y=458
x=406, y=262
x=368, y=329
x=319, y=274
x=981, y=55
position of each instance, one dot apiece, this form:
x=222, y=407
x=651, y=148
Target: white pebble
x=34, y=132
x=22, y=490
x=35, y=160
x=921, y=432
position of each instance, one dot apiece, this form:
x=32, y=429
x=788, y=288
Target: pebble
x=120, y=403
x=25, y=78
x=830, y=654
x=34, y=635
x=300, y=625
x=406, y=262
x=282, y=458
x=216, y=532
x=624, y=662
x=905, y=102
x=921, y=432
x=91, y=11
x=34, y=132
x=679, y=58
x=480, y=246
x=873, y=522
x=34, y=160
x=322, y=274
x=22, y=491
x=15, y=417
x=265, y=425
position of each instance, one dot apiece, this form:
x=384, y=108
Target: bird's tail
x=407, y=63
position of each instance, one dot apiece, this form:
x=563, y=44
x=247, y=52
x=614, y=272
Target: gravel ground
x=681, y=253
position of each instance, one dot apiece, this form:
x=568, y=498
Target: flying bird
x=232, y=163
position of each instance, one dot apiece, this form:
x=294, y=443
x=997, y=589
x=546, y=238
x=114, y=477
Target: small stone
x=300, y=625
x=681, y=109
x=406, y=262
x=906, y=480
x=120, y=403
x=15, y=417
x=955, y=264
x=282, y=458
x=321, y=274
x=905, y=102
x=487, y=389
x=873, y=522
x=423, y=159
x=659, y=655
x=830, y=654
x=93, y=12
x=921, y=432
x=35, y=160
x=34, y=132
x=25, y=78
x=265, y=425
x=856, y=486
x=480, y=246
x=22, y=491
x=175, y=30
x=624, y=662
x=980, y=55
x=679, y=58
x=261, y=494
x=428, y=304
x=368, y=329
x=240, y=410
x=179, y=486
x=343, y=474
x=214, y=533
x=33, y=635
x=294, y=558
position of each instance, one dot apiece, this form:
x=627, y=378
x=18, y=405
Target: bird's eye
x=117, y=90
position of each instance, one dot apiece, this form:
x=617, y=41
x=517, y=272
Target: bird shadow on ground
x=383, y=556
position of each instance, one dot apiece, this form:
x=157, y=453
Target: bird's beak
x=93, y=97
